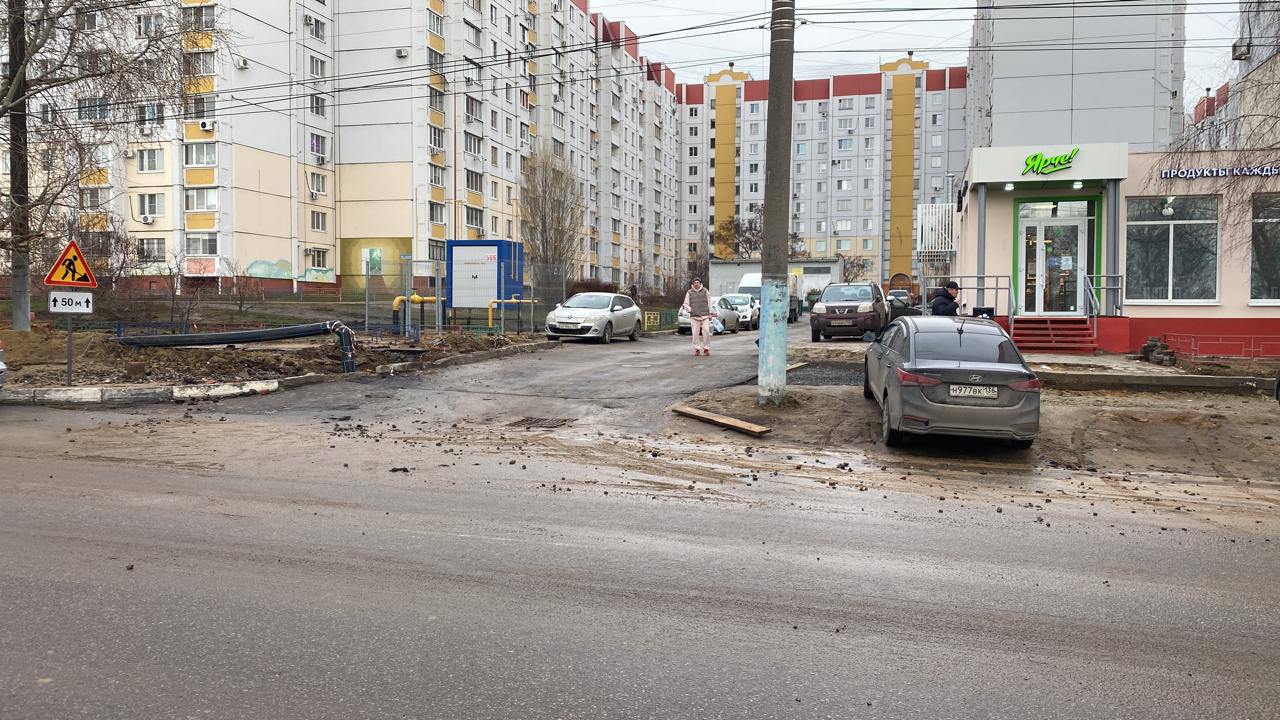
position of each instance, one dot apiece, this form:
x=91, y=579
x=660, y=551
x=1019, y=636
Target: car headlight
x=819, y=308
x=864, y=308
x=597, y=318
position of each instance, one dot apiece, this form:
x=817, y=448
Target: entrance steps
x=1054, y=334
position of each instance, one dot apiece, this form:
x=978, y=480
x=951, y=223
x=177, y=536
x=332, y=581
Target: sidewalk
x=1111, y=364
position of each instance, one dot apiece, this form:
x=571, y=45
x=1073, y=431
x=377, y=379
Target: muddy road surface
x=537, y=537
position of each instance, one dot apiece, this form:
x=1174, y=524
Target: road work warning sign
x=71, y=270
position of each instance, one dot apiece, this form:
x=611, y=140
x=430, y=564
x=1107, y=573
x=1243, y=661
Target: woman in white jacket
x=697, y=302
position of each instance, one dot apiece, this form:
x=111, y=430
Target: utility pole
x=774, y=293
x=19, y=180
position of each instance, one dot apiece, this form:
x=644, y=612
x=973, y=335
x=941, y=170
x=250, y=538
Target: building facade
x=866, y=150
x=336, y=143
x=1044, y=73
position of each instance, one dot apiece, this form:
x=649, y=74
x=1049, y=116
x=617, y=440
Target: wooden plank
x=796, y=366
x=725, y=421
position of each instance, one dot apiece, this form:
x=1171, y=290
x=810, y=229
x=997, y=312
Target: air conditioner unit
x=130, y=153
x=146, y=219
x=314, y=195
x=402, y=53
x=207, y=125
x=795, y=195
x=144, y=130
x=321, y=160
x=850, y=132
x=308, y=20
x=309, y=251
x=242, y=63
x=823, y=113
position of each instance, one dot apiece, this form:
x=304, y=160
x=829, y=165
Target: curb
x=1156, y=383
x=467, y=359
x=119, y=396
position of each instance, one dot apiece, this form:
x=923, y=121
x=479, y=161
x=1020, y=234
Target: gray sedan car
x=951, y=376
x=595, y=315
x=729, y=317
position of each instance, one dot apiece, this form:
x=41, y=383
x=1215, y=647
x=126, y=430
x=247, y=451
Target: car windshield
x=966, y=347
x=588, y=302
x=846, y=293
x=738, y=299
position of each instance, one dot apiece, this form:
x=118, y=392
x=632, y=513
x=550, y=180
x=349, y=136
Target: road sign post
x=69, y=304
x=71, y=270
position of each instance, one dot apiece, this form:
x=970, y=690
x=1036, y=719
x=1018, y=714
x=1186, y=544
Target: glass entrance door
x=1053, y=267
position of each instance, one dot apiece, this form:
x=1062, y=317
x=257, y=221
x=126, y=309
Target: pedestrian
x=697, y=302
x=944, y=303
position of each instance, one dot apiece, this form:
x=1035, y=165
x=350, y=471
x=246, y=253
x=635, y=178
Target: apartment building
x=333, y=141
x=1044, y=74
x=867, y=149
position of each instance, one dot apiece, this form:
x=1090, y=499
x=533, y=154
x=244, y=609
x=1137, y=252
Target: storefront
x=1124, y=246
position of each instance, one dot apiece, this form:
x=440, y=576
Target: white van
x=751, y=283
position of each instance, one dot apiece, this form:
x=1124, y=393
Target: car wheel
x=815, y=336
x=891, y=437
x=552, y=338
x=737, y=325
x=1023, y=444
x=866, y=383
x=635, y=333
x=607, y=337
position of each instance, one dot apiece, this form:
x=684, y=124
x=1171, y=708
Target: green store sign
x=1041, y=164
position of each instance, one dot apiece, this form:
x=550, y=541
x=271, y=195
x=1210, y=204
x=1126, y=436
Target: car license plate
x=989, y=392
x=841, y=322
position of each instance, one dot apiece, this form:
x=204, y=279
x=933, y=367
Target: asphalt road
x=281, y=569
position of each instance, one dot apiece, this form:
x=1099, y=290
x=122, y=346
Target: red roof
x=690, y=94
x=935, y=79
x=812, y=89
x=756, y=90
x=1223, y=93
x=582, y=5
x=629, y=42
x=864, y=84
x=959, y=77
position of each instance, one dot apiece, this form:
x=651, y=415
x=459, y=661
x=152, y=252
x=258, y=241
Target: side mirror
x=557, y=307
x=616, y=308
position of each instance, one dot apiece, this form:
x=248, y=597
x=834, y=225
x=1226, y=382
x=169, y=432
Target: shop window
x=1171, y=249
x=1265, y=268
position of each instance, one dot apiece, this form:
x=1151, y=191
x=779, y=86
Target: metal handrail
x=1101, y=284
x=997, y=284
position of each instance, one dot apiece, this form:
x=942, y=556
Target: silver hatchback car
x=951, y=376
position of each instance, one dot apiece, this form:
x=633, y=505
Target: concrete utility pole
x=20, y=237
x=775, y=302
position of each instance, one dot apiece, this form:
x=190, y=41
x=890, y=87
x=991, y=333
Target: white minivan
x=750, y=284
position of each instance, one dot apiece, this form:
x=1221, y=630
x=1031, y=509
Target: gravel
x=826, y=373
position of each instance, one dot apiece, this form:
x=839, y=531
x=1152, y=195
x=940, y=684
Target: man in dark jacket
x=944, y=303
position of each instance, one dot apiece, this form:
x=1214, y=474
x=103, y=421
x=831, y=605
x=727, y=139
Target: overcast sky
x=939, y=33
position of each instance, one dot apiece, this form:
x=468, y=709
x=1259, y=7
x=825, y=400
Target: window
x=319, y=105
x=869, y=121
x=493, y=190
x=474, y=108
x=802, y=148
x=200, y=155
x=819, y=246
x=318, y=67
x=197, y=63
x=753, y=108
x=693, y=112
x=844, y=206
x=935, y=140
x=474, y=217
x=435, y=60
x=866, y=244
x=844, y=123
x=436, y=212
x=844, y=244
x=151, y=204
x=753, y=149
x=202, y=200
x=844, y=144
x=820, y=226
x=149, y=25
x=319, y=221
x=94, y=199
x=802, y=128
x=94, y=108
x=867, y=224
x=693, y=170
x=316, y=29
x=935, y=161
x=844, y=225
x=1264, y=282
x=802, y=107
x=319, y=145
x=935, y=119
x=150, y=114
x=868, y=143
x=202, y=244
x=868, y=184
x=472, y=33
x=199, y=17
x=437, y=100
x=200, y=107
x=693, y=131
x=844, y=104
x=151, y=249
x=1171, y=248
x=843, y=185
x=802, y=168
x=318, y=183
x=437, y=139
x=473, y=144
x=319, y=258
x=475, y=181
x=870, y=102
x=868, y=163
x=435, y=23
x=151, y=160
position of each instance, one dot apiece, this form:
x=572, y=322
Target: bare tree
x=83, y=77
x=745, y=237
x=553, y=207
x=855, y=268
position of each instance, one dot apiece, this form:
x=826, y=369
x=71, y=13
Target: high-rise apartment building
x=866, y=149
x=1041, y=73
x=331, y=140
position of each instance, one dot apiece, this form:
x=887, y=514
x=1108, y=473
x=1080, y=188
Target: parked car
x=951, y=376
x=595, y=315
x=748, y=309
x=729, y=317
x=900, y=293
x=752, y=282
x=848, y=310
